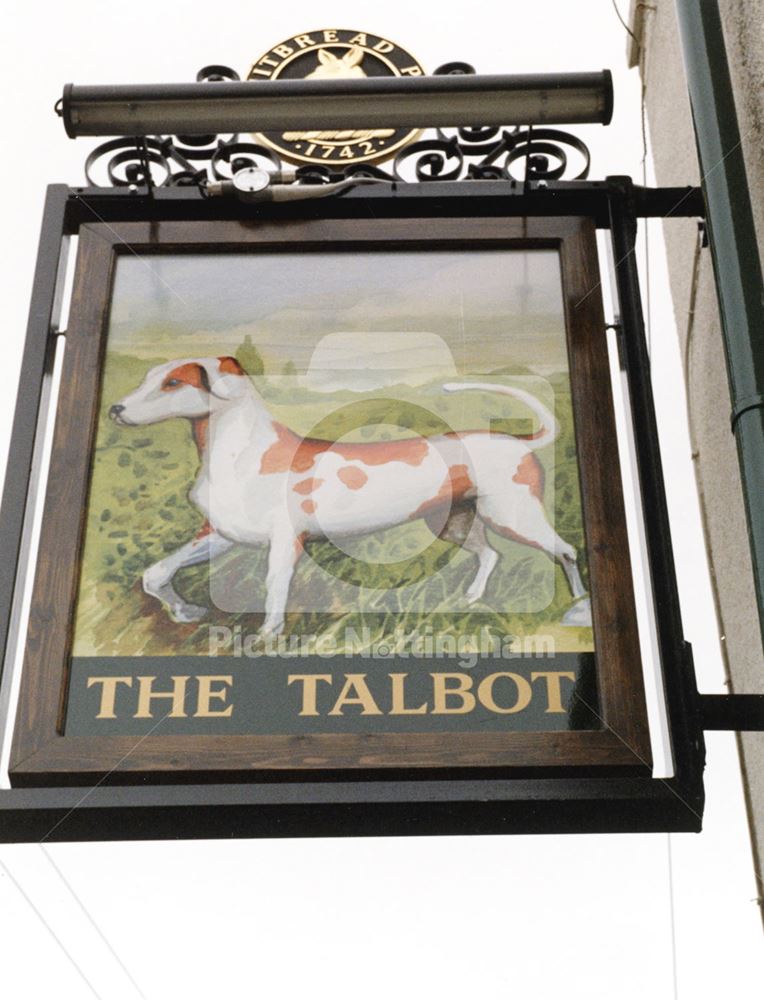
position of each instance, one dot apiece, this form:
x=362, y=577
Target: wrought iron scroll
x=522, y=153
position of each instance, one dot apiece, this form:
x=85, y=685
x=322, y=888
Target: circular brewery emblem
x=336, y=54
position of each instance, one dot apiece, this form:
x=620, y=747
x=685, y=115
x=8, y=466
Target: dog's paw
x=579, y=615
x=186, y=613
x=474, y=594
x=268, y=629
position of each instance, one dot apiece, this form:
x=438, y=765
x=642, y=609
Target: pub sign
x=332, y=496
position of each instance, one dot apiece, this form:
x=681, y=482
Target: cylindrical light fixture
x=387, y=102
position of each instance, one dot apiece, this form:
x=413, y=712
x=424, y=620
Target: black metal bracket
x=742, y=713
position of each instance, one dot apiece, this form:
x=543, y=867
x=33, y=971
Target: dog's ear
x=230, y=366
x=226, y=377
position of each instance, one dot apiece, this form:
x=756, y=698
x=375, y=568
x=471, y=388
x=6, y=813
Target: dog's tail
x=549, y=428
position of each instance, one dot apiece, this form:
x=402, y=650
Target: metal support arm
x=743, y=713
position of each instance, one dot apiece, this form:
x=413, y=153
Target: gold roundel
x=336, y=54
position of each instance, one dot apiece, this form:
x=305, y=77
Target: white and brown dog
x=261, y=482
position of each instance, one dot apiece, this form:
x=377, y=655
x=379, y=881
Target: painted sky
x=288, y=301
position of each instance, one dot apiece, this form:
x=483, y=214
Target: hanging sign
x=329, y=498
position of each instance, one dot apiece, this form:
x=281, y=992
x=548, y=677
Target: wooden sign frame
x=43, y=753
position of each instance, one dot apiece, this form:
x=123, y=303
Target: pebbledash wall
x=656, y=50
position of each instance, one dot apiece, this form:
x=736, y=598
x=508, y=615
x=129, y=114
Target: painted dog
x=260, y=482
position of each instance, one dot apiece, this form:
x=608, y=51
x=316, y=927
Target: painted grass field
x=139, y=511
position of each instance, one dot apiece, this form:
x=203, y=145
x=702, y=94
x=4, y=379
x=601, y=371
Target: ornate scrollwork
x=522, y=154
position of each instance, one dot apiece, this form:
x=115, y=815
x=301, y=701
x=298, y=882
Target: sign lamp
x=263, y=105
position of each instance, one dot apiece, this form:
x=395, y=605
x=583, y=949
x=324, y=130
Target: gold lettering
x=309, y=687
x=356, y=683
x=553, y=692
x=267, y=61
x=442, y=692
x=282, y=50
x=108, y=693
x=259, y=72
x=304, y=41
x=146, y=696
x=399, y=697
x=524, y=693
x=359, y=39
x=412, y=71
x=207, y=694
x=383, y=46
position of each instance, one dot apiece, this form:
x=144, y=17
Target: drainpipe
x=734, y=250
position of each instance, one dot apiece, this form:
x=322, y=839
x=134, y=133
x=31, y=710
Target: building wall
x=714, y=451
